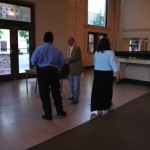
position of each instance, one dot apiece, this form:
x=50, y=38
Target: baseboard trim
x=136, y=82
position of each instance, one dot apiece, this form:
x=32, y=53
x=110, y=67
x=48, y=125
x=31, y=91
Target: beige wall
x=69, y=18
x=135, y=22
x=51, y=15
x=77, y=25
x=126, y=19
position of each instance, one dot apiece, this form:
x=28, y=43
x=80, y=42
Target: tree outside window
x=24, y=43
x=97, y=12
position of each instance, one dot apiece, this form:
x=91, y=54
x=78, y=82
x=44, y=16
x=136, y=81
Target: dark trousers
x=48, y=80
x=102, y=90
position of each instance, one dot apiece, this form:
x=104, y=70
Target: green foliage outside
x=99, y=20
x=24, y=34
x=1, y=32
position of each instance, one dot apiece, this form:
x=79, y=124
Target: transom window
x=15, y=12
x=97, y=15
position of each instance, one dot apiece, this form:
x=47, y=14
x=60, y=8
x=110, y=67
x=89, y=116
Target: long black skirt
x=102, y=90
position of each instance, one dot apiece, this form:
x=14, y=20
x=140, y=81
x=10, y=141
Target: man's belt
x=47, y=68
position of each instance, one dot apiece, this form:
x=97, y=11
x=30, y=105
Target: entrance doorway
x=14, y=52
x=17, y=38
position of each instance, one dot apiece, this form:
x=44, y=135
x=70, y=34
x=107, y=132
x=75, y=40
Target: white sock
x=99, y=112
x=104, y=112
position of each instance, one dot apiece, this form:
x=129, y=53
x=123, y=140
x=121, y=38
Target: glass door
x=17, y=38
x=23, y=50
x=5, y=52
x=14, y=53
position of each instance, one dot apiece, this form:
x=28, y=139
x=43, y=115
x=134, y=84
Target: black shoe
x=61, y=113
x=70, y=98
x=47, y=118
x=74, y=102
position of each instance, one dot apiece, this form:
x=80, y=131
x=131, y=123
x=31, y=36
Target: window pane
x=5, y=63
x=91, y=43
x=93, y=39
x=15, y=12
x=23, y=46
x=97, y=12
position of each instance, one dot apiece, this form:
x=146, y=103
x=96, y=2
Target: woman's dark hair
x=48, y=37
x=103, y=45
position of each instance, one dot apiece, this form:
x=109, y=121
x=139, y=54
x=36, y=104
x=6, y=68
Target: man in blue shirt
x=47, y=59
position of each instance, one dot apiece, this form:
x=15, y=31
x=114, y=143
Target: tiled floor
x=21, y=125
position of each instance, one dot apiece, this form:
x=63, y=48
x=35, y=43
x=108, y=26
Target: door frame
x=14, y=26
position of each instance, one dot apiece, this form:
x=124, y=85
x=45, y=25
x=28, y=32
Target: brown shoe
x=70, y=98
x=74, y=102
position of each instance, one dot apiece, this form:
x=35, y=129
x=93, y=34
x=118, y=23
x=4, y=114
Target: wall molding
x=136, y=30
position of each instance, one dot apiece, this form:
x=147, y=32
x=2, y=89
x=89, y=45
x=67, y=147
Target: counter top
x=133, y=60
